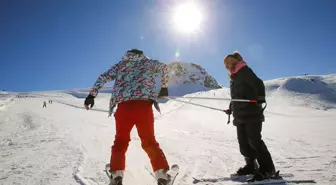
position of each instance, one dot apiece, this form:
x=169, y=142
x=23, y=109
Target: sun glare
x=187, y=18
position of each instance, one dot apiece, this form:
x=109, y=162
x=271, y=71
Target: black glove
x=261, y=101
x=163, y=92
x=228, y=111
x=89, y=101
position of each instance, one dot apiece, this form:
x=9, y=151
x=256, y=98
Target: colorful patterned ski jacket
x=134, y=79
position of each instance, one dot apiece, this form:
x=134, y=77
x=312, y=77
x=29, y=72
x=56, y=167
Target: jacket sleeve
x=159, y=67
x=105, y=77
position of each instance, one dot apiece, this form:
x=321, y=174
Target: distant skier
x=44, y=104
x=248, y=118
x=134, y=91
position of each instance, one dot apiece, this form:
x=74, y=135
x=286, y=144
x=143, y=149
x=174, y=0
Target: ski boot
x=266, y=176
x=163, y=182
x=116, y=178
x=249, y=169
x=162, y=177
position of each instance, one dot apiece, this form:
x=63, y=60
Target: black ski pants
x=252, y=146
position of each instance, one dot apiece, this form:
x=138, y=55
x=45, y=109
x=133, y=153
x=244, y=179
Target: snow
x=5, y=101
x=318, y=92
x=182, y=73
x=66, y=144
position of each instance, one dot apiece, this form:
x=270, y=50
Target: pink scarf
x=238, y=66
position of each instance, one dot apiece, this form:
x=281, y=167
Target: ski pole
x=170, y=98
x=174, y=99
x=211, y=98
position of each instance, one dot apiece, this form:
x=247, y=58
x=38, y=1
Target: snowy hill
x=317, y=91
x=65, y=144
x=190, y=73
x=304, y=84
x=186, y=78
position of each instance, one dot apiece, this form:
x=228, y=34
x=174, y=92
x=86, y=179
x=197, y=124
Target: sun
x=187, y=18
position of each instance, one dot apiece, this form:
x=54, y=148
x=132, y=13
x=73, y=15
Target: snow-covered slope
x=318, y=92
x=186, y=78
x=190, y=73
x=65, y=144
x=5, y=101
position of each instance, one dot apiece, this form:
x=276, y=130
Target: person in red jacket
x=134, y=91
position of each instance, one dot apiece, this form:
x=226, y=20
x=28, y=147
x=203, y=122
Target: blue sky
x=54, y=45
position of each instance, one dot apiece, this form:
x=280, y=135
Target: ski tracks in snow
x=6, y=102
x=63, y=145
x=94, y=151
x=33, y=149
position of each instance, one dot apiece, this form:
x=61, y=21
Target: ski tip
x=175, y=166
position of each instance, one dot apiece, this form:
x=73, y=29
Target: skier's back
x=134, y=91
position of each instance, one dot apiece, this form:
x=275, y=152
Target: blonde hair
x=229, y=64
x=234, y=55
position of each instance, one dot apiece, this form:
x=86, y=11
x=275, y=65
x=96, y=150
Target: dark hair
x=136, y=51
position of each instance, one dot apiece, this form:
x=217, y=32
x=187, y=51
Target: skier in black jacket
x=248, y=118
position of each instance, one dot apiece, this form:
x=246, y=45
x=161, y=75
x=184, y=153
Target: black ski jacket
x=246, y=85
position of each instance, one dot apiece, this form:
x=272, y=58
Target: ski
x=108, y=173
x=173, y=172
x=235, y=178
x=107, y=170
x=243, y=181
x=279, y=181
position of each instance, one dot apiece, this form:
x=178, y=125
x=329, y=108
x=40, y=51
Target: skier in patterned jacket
x=134, y=92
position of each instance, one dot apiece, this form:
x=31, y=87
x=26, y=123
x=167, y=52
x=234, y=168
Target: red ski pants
x=140, y=114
